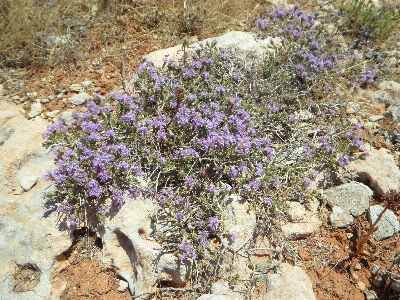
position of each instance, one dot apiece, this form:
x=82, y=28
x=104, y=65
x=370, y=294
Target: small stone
x=296, y=231
x=368, y=125
x=374, y=269
x=51, y=97
x=28, y=182
x=349, y=235
x=220, y=287
x=16, y=98
x=123, y=286
x=97, y=89
x=304, y=115
x=52, y=114
x=340, y=218
x=387, y=226
x=358, y=267
x=370, y=295
x=75, y=87
x=361, y=285
x=296, y=211
x=32, y=95
x=36, y=110
x=22, y=111
x=44, y=101
x=354, y=121
x=2, y=90
x=86, y=84
x=375, y=118
x=79, y=99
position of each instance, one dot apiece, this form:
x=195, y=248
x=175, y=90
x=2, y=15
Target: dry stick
x=123, y=66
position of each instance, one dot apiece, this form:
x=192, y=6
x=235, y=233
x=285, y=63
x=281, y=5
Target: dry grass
x=65, y=32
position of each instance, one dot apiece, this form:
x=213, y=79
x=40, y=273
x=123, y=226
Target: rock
x=32, y=95
x=388, y=93
x=304, y=115
x=239, y=219
x=27, y=182
x=51, y=97
x=128, y=246
x=29, y=235
x=378, y=169
x=371, y=295
x=52, y=114
x=79, y=99
x=361, y=285
x=2, y=90
x=295, y=211
x=375, y=118
x=374, y=269
x=123, y=286
x=351, y=197
x=220, y=287
x=387, y=226
x=340, y=218
x=229, y=296
x=393, y=113
x=44, y=101
x=75, y=88
x=296, y=231
x=36, y=110
x=289, y=283
x=86, y=84
x=244, y=41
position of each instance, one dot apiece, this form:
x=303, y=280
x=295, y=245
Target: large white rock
x=289, y=283
x=128, y=247
x=28, y=230
x=387, y=226
x=352, y=197
x=244, y=41
x=379, y=170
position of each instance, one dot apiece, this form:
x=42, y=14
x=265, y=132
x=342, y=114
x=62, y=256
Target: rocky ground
x=329, y=249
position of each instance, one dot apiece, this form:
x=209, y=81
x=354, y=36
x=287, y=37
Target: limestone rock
x=229, y=296
x=27, y=182
x=289, y=283
x=379, y=170
x=387, y=226
x=239, y=219
x=36, y=110
x=128, y=247
x=388, y=93
x=352, y=197
x=79, y=99
x=340, y=218
x=244, y=41
x=296, y=231
x=52, y=114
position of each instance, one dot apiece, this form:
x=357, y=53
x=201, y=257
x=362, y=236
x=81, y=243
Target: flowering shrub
x=192, y=134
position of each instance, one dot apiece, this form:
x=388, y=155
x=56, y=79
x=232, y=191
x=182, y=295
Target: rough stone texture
x=2, y=90
x=52, y=114
x=296, y=231
x=388, y=93
x=340, y=218
x=244, y=41
x=289, y=283
x=387, y=226
x=240, y=219
x=128, y=247
x=220, y=287
x=28, y=181
x=375, y=118
x=79, y=99
x=28, y=230
x=229, y=296
x=36, y=109
x=296, y=211
x=352, y=197
x=379, y=170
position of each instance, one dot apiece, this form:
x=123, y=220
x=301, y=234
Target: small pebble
x=375, y=118
x=123, y=286
x=370, y=295
x=374, y=269
x=358, y=266
x=361, y=285
x=44, y=100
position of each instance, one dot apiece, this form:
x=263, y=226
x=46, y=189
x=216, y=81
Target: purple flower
x=293, y=118
x=179, y=216
x=94, y=189
x=189, y=182
x=233, y=236
x=213, y=223
x=344, y=160
x=274, y=108
x=220, y=89
x=307, y=181
x=276, y=182
x=71, y=222
x=268, y=201
x=203, y=238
